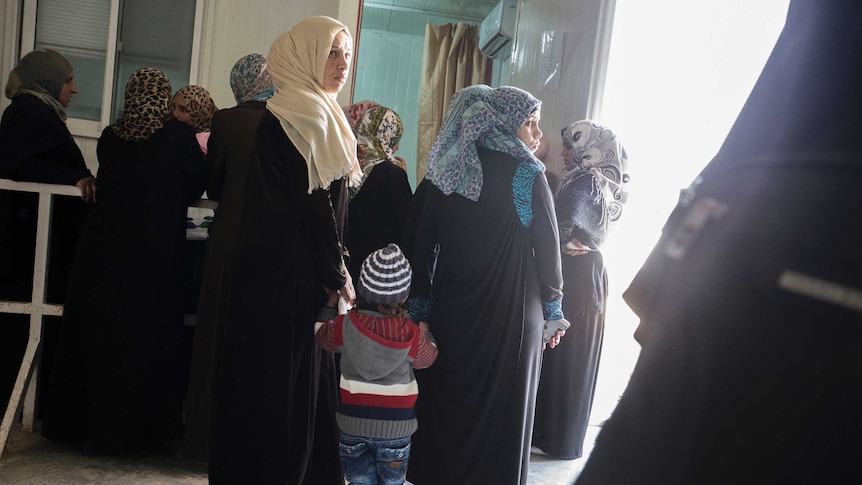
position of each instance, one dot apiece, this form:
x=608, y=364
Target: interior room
x=669, y=76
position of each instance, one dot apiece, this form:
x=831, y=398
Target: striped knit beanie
x=385, y=276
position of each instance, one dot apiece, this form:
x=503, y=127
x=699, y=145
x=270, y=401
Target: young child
x=380, y=346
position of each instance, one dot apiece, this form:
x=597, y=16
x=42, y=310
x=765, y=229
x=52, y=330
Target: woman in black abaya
x=489, y=208
x=116, y=380
x=750, y=370
x=274, y=410
x=229, y=145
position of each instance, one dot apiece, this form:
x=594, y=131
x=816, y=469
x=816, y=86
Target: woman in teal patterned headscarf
x=486, y=276
x=249, y=79
x=479, y=116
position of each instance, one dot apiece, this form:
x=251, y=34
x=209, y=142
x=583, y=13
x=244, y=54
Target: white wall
x=584, y=26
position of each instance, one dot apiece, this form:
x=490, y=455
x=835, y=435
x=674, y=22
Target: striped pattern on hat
x=385, y=276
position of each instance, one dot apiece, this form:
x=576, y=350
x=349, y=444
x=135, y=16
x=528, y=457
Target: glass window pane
x=78, y=29
x=155, y=33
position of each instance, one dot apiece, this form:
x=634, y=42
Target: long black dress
x=569, y=371
x=117, y=380
x=229, y=149
x=493, y=273
x=377, y=215
x=35, y=146
x=751, y=368
x=274, y=413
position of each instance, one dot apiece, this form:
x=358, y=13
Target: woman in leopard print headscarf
x=147, y=103
x=195, y=106
x=118, y=386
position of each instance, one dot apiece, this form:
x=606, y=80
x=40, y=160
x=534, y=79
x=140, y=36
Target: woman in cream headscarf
x=274, y=407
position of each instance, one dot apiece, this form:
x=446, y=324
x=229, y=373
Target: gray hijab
x=41, y=73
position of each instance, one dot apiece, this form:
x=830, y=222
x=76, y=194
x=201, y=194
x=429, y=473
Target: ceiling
x=410, y=16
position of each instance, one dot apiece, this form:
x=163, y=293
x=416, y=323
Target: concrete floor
x=30, y=459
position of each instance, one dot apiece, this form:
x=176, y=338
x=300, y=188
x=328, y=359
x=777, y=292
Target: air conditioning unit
x=498, y=29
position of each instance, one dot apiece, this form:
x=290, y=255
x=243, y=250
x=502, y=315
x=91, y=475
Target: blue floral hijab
x=479, y=116
x=249, y=79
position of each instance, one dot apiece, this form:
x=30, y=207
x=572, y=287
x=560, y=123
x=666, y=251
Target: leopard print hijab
x=200, y=105
x=148, y=98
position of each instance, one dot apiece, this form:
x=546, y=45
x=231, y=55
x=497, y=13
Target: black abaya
x=229, y=149
x=35, y=146
x=377, y=214
x=274, y=412
x=493, y=273
x=117, y=380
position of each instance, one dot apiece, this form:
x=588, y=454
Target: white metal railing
x=37, y=308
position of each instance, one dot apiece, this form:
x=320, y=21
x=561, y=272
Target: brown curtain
x=450, y=62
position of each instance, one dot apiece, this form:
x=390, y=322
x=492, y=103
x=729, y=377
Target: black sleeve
x=36, y=146
x=328, y=261
x=216, y=159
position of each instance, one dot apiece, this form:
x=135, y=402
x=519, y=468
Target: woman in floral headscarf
x=497, y=278
x=230, y=145
x=377, y=209
x=117, y=381
x=589, y=199
x=273, y=415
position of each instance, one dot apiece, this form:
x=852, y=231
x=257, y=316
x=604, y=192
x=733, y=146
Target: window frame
x=90, y=128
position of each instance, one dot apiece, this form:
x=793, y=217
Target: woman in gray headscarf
x=36, y=146
x=229, y=149
x=588, y=201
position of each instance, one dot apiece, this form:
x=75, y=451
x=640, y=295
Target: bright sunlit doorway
x=678, y=74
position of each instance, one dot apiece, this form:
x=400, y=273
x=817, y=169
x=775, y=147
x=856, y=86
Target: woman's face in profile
x=337, y=64
x=181, y=110
x=69, y=89
x=568, y=155
x=530, y=133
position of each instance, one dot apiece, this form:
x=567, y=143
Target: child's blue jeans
x=373, y=461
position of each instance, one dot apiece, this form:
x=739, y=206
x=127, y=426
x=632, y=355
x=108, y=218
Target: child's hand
x=423, y=326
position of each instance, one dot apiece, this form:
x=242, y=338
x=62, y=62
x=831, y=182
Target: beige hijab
x=310, y=116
